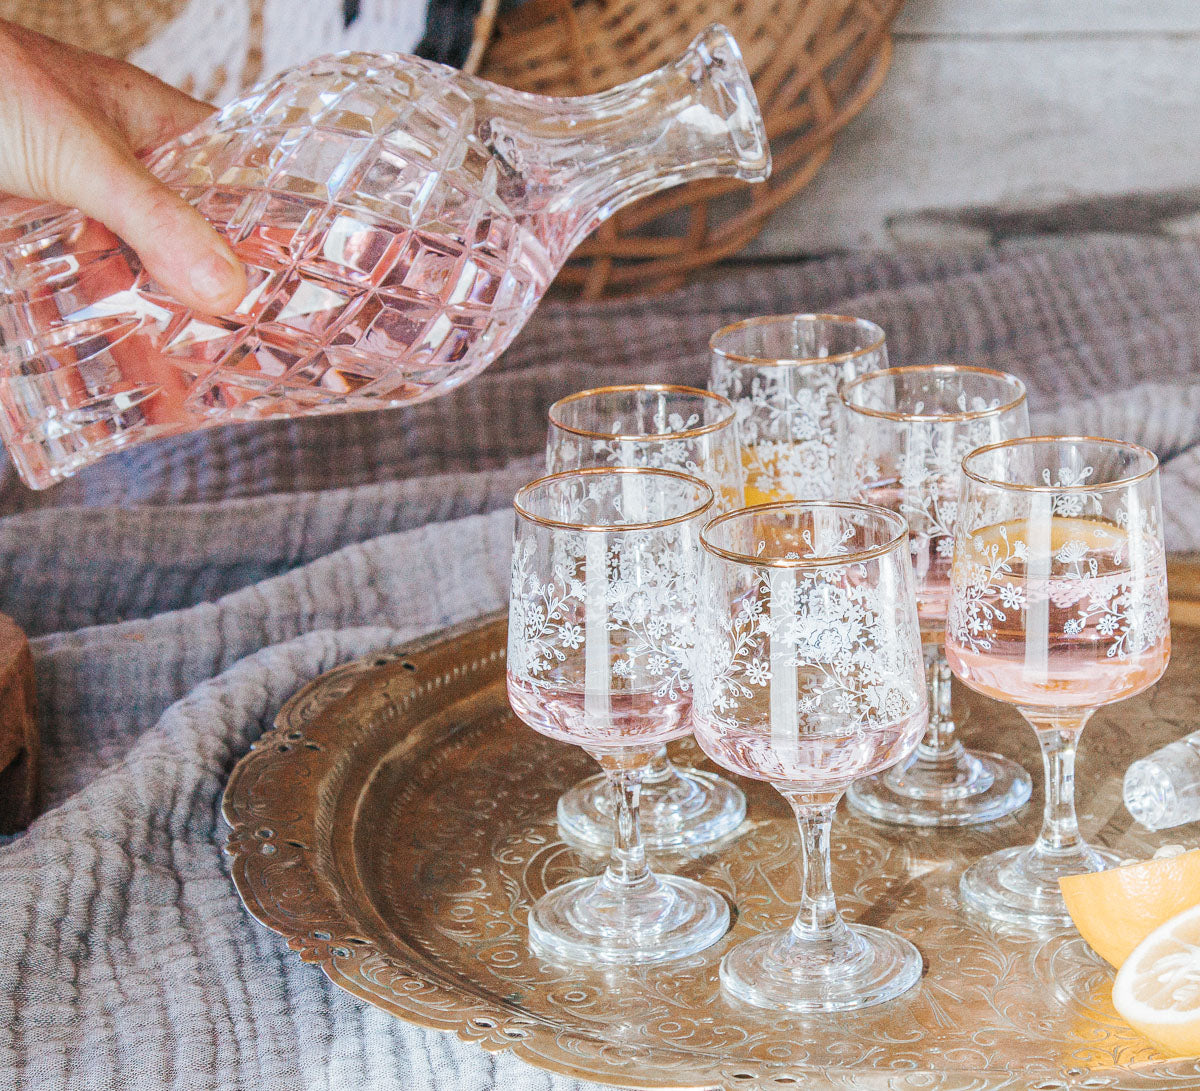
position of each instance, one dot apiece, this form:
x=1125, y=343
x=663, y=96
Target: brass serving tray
x=398, y=822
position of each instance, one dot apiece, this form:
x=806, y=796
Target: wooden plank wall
x=1013, y=105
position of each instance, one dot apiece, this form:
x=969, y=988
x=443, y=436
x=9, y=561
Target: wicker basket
x=815, y=63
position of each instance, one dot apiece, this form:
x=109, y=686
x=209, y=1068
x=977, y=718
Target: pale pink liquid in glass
x=399, y=221
x=931, y=556
x=304, y=338
x=1085, y=619
x=353, y=304
x=1078, y=674
x=822, y=753
x=639, y=718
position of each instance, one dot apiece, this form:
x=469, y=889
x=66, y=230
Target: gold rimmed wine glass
x=664, y=427
x=808, y=675
x=600, y=638
x=904, y=433
x=1058, y=606
x=782, y=374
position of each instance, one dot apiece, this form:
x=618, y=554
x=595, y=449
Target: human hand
x=72, y=124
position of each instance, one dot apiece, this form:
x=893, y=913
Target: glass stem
x=818, y=932
x=627, y=867
x=939, y=746
x=659, y=769
x=1058, y=736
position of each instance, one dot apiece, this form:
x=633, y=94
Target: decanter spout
x=579, y=160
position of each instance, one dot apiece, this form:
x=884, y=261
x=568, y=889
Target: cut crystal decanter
x=399, y=222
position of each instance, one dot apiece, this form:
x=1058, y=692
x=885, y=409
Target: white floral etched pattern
x=926, y=471
x=854, y=666
x=648, y=603
x=1075, y=502
x=1090, y=581
x=788, y=422
x=703, y=456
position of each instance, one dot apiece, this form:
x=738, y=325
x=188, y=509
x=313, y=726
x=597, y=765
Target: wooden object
x=990, y=119
x=114, y=27
x=815, y=65
x=1183, y=584
x=19, y=750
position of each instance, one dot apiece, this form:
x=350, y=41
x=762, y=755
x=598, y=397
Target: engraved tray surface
x=398, y=822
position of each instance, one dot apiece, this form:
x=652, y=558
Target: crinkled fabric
x=178, y=593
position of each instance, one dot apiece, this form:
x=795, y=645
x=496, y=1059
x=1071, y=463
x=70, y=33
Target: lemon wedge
x=1157, y=991
x=1116, y=909
x=1096, y=535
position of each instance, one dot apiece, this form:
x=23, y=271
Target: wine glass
x=782, y=374
x=904, y=434
x=600, y=635
x=675, y=428
x=808, y=675
x=660, y=425
x=1058, y=605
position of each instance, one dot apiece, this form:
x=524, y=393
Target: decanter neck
x=578, y=160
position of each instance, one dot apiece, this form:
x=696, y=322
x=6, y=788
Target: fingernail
x=211, y=277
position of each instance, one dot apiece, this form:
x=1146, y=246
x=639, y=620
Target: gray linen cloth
x=181, y=591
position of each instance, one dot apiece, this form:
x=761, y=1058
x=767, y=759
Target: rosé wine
x=822, y=755
x=1078, y=636
x=641, y=718
x=1077, y=675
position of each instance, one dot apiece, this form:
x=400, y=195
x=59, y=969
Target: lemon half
x=1158, y=989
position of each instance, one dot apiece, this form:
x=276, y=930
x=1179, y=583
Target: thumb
x=178, y=247
x=57, y=143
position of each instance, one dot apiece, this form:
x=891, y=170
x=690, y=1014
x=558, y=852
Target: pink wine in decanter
x=399, y=222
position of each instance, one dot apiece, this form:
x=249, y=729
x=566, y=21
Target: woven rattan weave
x=815, y=64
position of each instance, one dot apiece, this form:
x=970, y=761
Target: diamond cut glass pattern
x=399, y=222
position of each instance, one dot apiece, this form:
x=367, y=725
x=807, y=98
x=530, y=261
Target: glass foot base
x=878, y=967
x=690, y=807
x=978, y=788
x=1020, y=888
x=582, y=922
